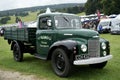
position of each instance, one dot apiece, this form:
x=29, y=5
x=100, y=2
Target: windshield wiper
x=66, y=19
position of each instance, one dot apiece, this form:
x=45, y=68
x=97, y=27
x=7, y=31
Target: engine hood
x=78, y=33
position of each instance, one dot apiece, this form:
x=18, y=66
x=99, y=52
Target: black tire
x=17, y=53
x=60, y=63
x=98, y=65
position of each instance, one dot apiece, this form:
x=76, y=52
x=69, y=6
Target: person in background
x=100, y=28
x=20, y=23
x=16, y=20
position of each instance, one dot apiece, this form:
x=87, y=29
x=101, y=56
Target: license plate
x=82, y=56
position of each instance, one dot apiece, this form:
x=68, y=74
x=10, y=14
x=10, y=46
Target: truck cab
x=54, y=28
x=59, y=37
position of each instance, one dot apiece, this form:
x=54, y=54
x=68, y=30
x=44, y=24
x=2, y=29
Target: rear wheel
x=17, y=53
x=99, y=65
x=60, y=63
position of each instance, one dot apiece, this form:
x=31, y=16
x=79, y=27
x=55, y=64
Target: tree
x=74, y=10
x=92, y=5
x=106, y=6
x=4, y=20
x=21, y=14
x=111, y=6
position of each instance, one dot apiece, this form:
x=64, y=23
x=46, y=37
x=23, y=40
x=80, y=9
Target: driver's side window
x=43, y=23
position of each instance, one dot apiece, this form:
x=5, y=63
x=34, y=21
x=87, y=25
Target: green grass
x=81, y=14
x=31, y=17
x=43, y=69
x=12, y=20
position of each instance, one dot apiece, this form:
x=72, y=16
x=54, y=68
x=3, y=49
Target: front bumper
x=115, y=32
x=92, y=60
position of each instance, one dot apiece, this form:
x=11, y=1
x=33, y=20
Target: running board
x=39, y=57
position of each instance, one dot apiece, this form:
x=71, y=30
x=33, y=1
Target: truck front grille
x=94, y=48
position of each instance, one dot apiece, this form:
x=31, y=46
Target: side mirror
x=49, y=23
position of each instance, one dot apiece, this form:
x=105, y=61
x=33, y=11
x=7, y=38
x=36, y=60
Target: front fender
x=69, y=44
x=65, y=44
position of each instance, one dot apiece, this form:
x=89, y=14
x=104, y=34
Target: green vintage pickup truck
x=59, y=37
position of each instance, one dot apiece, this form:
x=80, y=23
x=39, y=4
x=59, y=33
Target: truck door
x=44, y=36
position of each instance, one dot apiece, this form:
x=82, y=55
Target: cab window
x=43, y=23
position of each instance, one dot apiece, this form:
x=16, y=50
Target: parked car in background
x=112, y=16
x=104, y=26
x=33, y=24
x=1, y=31
x=115, y=28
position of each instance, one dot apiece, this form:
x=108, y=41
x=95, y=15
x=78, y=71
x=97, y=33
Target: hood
x=78, y=33
x=116, y=27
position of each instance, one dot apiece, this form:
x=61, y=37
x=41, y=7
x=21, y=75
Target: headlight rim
x=83, y=46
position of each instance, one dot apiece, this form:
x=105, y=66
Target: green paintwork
x=45, y=38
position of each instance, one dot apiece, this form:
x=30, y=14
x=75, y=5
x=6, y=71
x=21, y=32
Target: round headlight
x=83, y=47
x=103, y=45
x=104, y=53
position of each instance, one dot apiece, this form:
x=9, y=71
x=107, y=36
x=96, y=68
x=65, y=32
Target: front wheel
x=99, y=65
x=60, y=63
x=17, y=53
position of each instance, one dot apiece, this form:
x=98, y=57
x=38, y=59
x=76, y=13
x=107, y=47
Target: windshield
x=67, y=21
x=105, y=23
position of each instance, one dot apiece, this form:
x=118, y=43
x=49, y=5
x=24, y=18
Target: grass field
x=41, y=68
x=81, y=14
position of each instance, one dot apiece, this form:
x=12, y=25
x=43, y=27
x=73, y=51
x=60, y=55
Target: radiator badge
x=95, y=36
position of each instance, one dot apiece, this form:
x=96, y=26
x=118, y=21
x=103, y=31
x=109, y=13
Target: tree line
x=22, y=14
x=74, y=10
x=38, y=8
x=105, y=6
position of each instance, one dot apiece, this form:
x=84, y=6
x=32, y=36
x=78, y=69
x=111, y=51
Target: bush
x=4, y=20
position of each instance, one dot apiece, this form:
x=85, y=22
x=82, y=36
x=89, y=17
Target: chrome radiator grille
x=93, y=48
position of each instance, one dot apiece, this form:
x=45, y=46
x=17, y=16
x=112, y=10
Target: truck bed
x=21, y=34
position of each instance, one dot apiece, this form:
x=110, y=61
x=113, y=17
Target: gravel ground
x=9, y=75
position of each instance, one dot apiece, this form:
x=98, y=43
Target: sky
x=13, y=4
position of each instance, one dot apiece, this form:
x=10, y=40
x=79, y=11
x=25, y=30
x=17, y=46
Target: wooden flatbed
x=21, y=34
